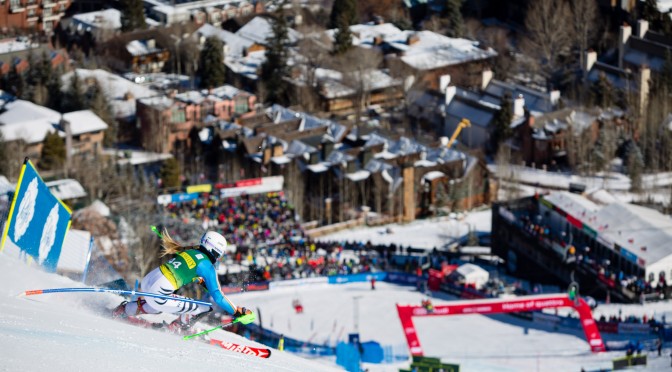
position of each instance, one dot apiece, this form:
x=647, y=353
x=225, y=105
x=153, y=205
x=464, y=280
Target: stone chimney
x=623, y=36
x=642, y=28
x=519, y=106
x=486, y=77
x=554, y=97
x=450, y=94
x=444, y=81
x=644, y=78
x=589, y=61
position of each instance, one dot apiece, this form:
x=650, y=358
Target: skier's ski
x=141, y=322
x=260, y=352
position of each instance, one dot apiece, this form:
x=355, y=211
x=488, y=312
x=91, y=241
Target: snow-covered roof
x=136, y=157
x=644, y=232
x=108, y=19
x=66, y=189
x=364, y=35
x=120, y=93
x=31, y=123
x=430, y=176
x=359, y=175
x=141, y=48
x=236, y=46
x=664, y=6
x=84, y=121
x=433, y=50
x=159, y=103
x=259, y=29
x=248, y=65
x=429, y=51
x=18, y=44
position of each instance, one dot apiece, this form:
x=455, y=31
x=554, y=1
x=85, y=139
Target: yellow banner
x=199, y=188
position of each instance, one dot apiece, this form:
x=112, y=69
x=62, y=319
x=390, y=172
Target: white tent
x=473, y=274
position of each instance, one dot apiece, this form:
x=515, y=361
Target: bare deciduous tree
x=584, y=16
x=356, y=66
x=549, y=33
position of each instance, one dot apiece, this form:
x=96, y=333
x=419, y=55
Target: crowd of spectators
x=271, y=243
x=584, y=260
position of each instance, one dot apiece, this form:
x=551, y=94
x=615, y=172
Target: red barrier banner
x=607, y=327
x=249, y=182
x=491, y=306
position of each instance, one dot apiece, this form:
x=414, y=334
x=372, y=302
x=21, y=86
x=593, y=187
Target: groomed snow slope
x=68, y=332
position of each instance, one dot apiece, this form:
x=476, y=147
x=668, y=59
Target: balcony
x=16, y=7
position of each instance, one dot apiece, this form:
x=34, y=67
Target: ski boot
x=184, y=322
x=120, y=311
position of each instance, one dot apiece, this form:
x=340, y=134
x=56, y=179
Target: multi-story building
x=14, y=53
x=165, y=120
x=28, y=123
x=35, y=15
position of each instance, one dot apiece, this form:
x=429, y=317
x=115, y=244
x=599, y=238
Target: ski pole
x=116, y=291
x=245, y=319
x=156, y=231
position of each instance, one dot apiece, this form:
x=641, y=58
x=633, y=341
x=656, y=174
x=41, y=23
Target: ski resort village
x=336, y=185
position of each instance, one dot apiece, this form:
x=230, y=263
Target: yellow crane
x=462, y=124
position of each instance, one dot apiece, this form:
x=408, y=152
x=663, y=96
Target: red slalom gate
x=493, y=306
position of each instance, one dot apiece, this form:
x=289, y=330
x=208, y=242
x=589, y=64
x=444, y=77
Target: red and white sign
x=491, y=306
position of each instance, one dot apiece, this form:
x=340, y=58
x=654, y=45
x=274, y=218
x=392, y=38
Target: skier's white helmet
x=214, y=243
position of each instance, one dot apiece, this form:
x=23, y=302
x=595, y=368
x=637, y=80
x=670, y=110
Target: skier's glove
x=240, y=311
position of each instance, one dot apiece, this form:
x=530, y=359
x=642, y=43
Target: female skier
x=190, y=264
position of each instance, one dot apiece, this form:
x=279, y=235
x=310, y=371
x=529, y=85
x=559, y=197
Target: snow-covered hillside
x=68, y=332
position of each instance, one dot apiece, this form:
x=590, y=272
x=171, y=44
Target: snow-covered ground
x=428, y=233
x=66, y=332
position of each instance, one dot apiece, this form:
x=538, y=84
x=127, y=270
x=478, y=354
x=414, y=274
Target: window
x=241, y=106
x=178, y=116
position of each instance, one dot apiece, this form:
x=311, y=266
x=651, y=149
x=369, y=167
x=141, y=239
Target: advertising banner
x=491, y=306
x=341, y=279
x=37, y=220
x=634, y=328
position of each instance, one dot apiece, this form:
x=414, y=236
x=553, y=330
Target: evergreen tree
x=97, y=102
x=132, y=15
x=212, y=70
x=501, y=122
x=274, y=69
x=665, y=80
x=15, y=82
x=454, y=16
x=53, y=152
x=603, y=92
x=343, y=10
x=54, y=93
x=74, y=97
x=343, y=37
x=170, y=173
